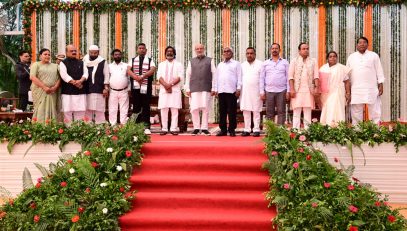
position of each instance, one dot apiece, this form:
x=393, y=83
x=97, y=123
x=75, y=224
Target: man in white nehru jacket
x=97, y=85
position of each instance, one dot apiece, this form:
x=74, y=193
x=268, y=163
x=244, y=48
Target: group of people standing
x=78, y=88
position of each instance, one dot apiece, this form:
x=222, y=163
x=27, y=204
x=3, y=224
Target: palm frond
x=27, y=179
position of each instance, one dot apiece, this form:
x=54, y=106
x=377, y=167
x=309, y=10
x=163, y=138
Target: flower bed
x=312, y=194
x=88, y=191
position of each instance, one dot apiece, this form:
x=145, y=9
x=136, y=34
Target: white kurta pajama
x=333, y=101
x=250, y=98
x=169, y=71
x=73, y=106
x=119, y=92
x=96, y=103
x=366, y=73
x=199, y=101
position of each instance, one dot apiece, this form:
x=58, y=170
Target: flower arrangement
x=88, y=191
x=311, y=194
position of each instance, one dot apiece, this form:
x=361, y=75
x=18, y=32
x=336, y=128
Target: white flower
x=21, y=121
x=105, y=211
x=109, y=150
x=135, y=138
x=28, y=119
x=119, y=168
x=103, y=185
x=11, y=124
x=71, y=171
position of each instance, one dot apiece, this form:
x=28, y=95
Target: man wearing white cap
x=97, y=85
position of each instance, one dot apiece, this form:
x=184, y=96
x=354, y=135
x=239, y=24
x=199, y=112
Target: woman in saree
x=335, y=90
x=45, y=88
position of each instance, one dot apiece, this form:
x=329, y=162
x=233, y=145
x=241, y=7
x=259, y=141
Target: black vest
x=201, y=74
x=74, y=68
x=98, y=85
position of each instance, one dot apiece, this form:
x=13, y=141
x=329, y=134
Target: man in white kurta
x=366, y=78
x=250, y=101
x=97, y=85
x=119, y=88
x=73, y=93
x=170, y=74
x=199, y=87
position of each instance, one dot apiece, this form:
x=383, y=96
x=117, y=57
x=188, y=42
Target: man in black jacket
x=23, y=77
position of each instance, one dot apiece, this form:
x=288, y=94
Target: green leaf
x=27, y=179
x=28, y=149
x=10, y=145
x=358, y=223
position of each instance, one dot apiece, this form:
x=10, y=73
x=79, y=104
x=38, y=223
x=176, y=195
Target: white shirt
x=250, y=96
x=118, y=75
x=228, y=77
x=366, y=73
x=64, y=74
x=189, y=71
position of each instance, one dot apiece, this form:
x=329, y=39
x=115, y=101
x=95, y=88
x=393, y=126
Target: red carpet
x=200, y=183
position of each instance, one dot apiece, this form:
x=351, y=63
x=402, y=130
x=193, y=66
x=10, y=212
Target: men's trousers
x=174, y=119
x=273, y=100
x=247, y=116
x=227, y=108
x=141, y=106
x=120, y=98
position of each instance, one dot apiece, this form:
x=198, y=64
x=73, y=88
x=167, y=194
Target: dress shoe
x=195, y=132
x=206, y=132
x=256, y=134
x=245, y=134
x=174, y=133
x=163, y=133
x=232, y=134
x=221, y=133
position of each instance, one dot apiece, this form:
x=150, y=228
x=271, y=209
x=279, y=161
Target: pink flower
x=308, y=157
x=94, y=164
x=60, y=131
x=300, y=150
x=81, y=209
x=87, y=153
x=75, y=219
x=114, y=138
x=274, y=153
x=353, y=209
x=353, y=228
x=87, y=190
x=302, y=138
x=69, y=161
x=36, y=218
x=391, y=218
x=296, y=165
x=286, y=186
x=128, y=154
x=314, y=205
x=351, y=187
x=327, y=185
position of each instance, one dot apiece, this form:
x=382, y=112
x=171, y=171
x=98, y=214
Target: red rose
x=75, y=219
x=327, y=185
x=38, y=185
x=33, y=205
x=353, y=228
x=87, y=153
x=87, y=190
x=308, y=157
x=114, y=138
x=292, y=135
x=63, y=184
x=95, y=165
x=353, y=209
x=60, y=131
x=377, y=203
x=121, y=189
x=300, y=150
x=351, y=187
x=391, y=218
x=69, y=161
x=128, y=153
x=81, y=209
x=36, y=218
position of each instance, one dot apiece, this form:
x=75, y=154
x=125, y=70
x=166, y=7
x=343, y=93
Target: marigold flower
x=75, y=219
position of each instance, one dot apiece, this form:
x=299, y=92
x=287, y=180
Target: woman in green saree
x=45, y=88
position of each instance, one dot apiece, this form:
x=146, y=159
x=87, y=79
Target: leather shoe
x=221, y=133
x=163, y=133
x=256, y=134
x=174, y=133
x=195, y=132
x=206, y=132
x=232, y=134
x=245, y=134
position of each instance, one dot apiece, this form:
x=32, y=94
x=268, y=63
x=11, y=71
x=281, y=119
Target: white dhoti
x=96, y=106
x=73, y=107
x=200, y=101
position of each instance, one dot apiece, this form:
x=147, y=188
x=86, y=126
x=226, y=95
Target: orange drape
x=368, y=33
x=321, y=35
x=76, y=29
x=226, y=27
x=162, y=28
x=34, y=36
x=278, y=25
x=118, y=35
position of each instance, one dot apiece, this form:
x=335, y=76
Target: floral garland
x=342, y=34
x=395, y=63
x=88, y=191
